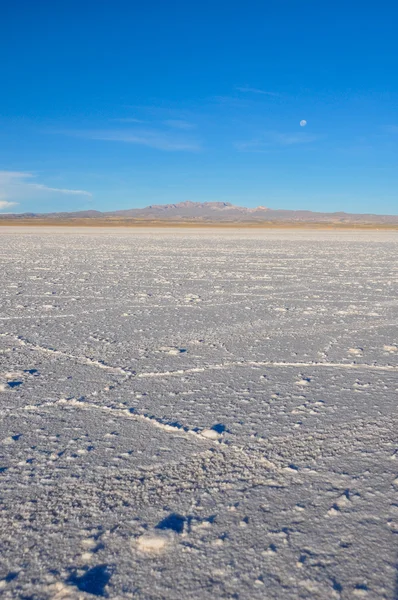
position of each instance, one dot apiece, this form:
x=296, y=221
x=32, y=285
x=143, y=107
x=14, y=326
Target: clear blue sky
x=119, y=104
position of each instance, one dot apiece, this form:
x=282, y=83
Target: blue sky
x=121, y=104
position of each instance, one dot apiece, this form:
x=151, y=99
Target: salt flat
x=198, y=414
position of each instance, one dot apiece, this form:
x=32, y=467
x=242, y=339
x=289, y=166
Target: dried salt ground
x=200, y=414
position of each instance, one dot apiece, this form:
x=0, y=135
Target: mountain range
x=209, y=212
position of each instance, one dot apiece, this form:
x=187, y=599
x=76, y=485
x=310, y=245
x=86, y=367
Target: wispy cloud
x=46, y=188
x=179, y=124
x=251, y=90
x=233, y=102
x=11, y=176
x=129, y=120
x=150, y=138
x=17, y=185
x=4, y=204
x=271, y=139
x=286, y=139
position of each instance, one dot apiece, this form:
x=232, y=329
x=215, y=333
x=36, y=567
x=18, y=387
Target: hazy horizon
x=186, y=210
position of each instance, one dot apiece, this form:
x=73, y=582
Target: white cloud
x=17, y=186
x=4, y=204
x=128, y=120
x=252, y=90
x=10, y=176
x=150, y=138
x=179, y=124
x=285, y=139
x=40, y=186
x=272, y=138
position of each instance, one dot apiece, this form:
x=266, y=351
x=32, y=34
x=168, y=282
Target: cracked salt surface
x=198, y=414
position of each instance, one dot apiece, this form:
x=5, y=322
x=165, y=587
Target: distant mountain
x=206, y=211
x=212, y=212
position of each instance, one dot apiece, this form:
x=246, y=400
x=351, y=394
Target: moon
x=303, y=123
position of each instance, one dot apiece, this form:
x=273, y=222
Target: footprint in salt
x=214, y=433
x=355, y=351
x=157, y=541
x=390, y=349
x=172, y=350
x=192, y=298
x=153, y=543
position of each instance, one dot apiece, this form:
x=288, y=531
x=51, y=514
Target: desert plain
x=198, y=413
